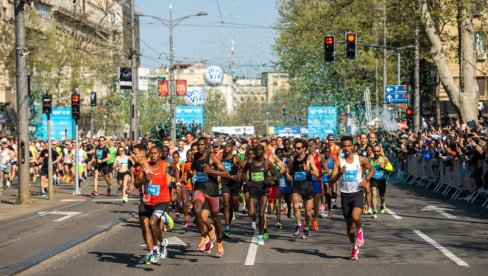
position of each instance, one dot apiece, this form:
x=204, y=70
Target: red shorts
x=212, y=201
x=273, y=193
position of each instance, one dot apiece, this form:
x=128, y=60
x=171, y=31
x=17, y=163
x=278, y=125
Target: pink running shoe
x=355, y=253
x=360, y=237
x=329, y=214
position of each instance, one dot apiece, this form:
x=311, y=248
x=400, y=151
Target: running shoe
x=94, y=193
x=187, y=226
x=260, y=240
x=42, y=194
x=360, y=237
x=329, y=214
x=382, y=208
x=355, y=253
x=168, y=220
x=279, y=225
x=208, y=247
x=298, y=230
x=321, y=208
x=244, y=211
x=265, y=234
x=315, y=225
x=155, y=258
x=305, y=233
x=375, y=214
x=227, y=233
x=125, y=199
x=147, y=258
x=109, y=190
x=203, y=241
x=323, y=214
x=211, y=234
x=220, y=249
x=163, y=252
x=253, y=225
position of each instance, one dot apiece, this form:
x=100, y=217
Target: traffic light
x=409, y=115
x=75, y=106
x=351, y=45
x=93, y=98
x=283, y=108
x=46, y=104
x=329, y=50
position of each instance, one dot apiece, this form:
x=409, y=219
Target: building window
x=480, y=42
x=43, y=11
x=482, y=86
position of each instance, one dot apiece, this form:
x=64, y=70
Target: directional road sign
x=396, y=94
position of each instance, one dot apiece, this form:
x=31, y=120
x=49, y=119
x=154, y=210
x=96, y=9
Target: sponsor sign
x=322, y=120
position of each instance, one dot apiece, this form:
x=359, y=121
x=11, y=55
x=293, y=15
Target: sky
x=208, y=38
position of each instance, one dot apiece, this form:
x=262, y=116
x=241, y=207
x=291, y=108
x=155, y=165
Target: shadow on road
x=309, y=252
x=131, y=260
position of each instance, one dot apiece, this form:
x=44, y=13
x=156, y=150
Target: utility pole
x=385, y=75
x=134, y=116
x=172, y=77
x=416, y=95
x=22, y=104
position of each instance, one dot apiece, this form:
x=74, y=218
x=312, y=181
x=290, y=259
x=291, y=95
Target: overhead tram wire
x=220, y=12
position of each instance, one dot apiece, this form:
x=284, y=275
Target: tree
x=439, y=23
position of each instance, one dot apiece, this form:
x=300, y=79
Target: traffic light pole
x=22, y=104
x=50, y=159
x=77, y=190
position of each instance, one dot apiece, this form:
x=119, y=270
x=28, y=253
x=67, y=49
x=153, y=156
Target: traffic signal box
x=351, y=45
x=75, y=106
x=409, y=116
x=329, y=48
x=46, y=104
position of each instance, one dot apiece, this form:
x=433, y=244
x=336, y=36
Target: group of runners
x=271, y=175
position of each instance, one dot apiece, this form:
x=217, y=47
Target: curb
x=53, y=251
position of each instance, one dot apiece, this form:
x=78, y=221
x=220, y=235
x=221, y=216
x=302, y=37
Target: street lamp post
x=171, y=24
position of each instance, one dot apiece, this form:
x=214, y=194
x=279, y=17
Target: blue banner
x=322, y=120
x=191, y=116
x=290, y=130
x=62, y=124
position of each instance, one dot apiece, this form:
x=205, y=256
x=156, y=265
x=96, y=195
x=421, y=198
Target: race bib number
x=153, y=189
x=99, y=154
x=351, y=176
x=378, y=174
x=227, y=165
x=158, y=213
x=202, y=177
x=326, y=178
x=300, y=176
x=257, y=176
x=282, y=181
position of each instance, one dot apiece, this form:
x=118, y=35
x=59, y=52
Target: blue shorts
x=316, y=186
x=286, y=189
x=190, y=192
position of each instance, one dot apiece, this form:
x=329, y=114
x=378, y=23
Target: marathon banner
x=189, y=115
x=290, y=130
x=125, y=77
x=62, y=124
x=163, y=88
x=181, y=88
x=322, y=120
x=142, y=80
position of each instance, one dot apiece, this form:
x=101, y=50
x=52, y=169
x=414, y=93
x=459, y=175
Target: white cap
x=4, y=140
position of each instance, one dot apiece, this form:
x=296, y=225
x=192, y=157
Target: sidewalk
x=9, y=209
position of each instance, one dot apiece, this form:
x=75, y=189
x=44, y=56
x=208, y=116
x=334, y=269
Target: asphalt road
x=449, y=241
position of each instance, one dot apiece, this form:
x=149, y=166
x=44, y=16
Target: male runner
x=327, y=167
x=102, y=155
x=256, y=172
x=334, y=152
x=284, y=190
x=378, y=182
x=349, y=170
x=301, y=168
x=230, y=186
x=208, y=167
x=317, y=187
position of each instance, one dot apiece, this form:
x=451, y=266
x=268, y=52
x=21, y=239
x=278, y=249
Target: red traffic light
x=329, y=40
x=75, y=98
x=409, y=111
x=283, y=106
x=351, y=37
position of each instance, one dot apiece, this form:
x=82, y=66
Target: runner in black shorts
x=230, y=186
x=102, y=155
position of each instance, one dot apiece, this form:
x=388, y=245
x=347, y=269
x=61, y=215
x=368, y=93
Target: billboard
x=322, y=120
x=192, y=116
x=62, y=124
x=290, y=130
x=234, y=130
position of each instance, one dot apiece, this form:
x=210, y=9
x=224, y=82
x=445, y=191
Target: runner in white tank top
x=349, y=171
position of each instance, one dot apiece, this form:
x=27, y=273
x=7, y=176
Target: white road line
x=253, y=249
x=441, y=248
x=112, y=199
x=393, y=214
x=73, y=199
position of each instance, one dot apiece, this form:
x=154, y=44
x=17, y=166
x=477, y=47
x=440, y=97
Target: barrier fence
x=452, y=177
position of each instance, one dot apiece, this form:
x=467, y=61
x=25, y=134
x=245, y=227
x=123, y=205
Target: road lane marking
x=441, y=248
x=253, y=249
x=439, y=210
x=73, y=199
x=112, y=199
x=393, y=214
x=65, y=215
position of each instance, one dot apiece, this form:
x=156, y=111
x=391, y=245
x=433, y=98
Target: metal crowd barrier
x=448, y=176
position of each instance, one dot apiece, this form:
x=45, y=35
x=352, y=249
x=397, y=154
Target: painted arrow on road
x=66, y=215
x=439, y=210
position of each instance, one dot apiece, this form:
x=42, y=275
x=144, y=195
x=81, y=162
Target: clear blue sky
x=206, y=38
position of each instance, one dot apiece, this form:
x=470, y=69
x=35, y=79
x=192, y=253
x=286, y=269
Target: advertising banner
x=290, y=130
x=234, y=130
x=322, y=120
x=191, y=116
x=180, y=88
x=163, y=88
x=125, y=77
x=62, y=124
x=142, y=82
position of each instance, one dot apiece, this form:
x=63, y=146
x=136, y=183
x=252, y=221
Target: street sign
x=396, y=94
